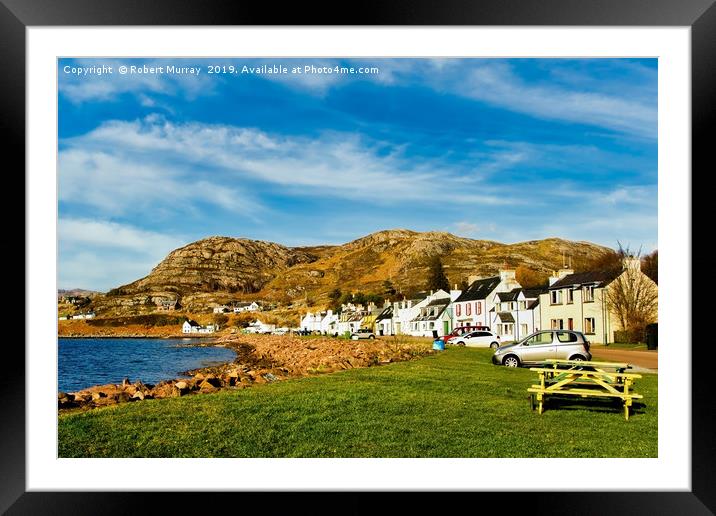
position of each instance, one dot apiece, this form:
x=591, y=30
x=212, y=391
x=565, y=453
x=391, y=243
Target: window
x=523, y=329
x=570, y=324
x=544, y=337
x=589, y=325
x=457, y=309
x=507, y=329
x=467, y=309
x=557, y=324
x=589, y=293
x=432, y=325
x=556, y=297
x=564, y=336
x=513, y=306
x=523, y=305
x=478, y=308
x=570, y=295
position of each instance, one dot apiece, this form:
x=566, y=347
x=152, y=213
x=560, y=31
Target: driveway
x=638, y=359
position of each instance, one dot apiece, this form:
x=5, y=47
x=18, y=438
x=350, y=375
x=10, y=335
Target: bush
x=142, y=320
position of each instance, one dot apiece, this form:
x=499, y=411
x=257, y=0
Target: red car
x=462, y=330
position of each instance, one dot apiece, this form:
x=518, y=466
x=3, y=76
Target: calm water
x=87, y=362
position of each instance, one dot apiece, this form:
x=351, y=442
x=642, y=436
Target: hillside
x=219, y=269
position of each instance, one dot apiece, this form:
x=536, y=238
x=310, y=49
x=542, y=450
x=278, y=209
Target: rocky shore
x=259, y=359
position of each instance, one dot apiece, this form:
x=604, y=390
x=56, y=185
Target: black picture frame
x=699, y=15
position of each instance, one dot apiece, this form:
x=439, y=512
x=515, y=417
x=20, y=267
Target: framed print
x=301, y=257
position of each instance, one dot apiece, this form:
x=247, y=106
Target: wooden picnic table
x=585, y=379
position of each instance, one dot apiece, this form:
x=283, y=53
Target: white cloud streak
x=147, y=161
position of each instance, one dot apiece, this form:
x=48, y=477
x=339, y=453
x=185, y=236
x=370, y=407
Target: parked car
x=477, y=339
x=362, y=333
x=463, y=330
x=541, y=345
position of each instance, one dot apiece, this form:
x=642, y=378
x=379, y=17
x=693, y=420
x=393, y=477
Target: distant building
x=246, y=307
x=260, y=327
x=475, y=305
x=191, y=326
x=580, y=301
x=516, y=313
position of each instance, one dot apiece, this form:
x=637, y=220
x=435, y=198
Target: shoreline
x=135, y=336
x=258, y=360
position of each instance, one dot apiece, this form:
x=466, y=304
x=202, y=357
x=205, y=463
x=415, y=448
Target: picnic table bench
x=585, y=379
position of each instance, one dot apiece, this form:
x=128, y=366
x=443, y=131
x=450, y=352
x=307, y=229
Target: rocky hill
x=218, y=269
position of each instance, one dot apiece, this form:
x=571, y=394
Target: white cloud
x=496, y=84
x=98, y=233
x=101, y=254
x=123, y=163
x=106, y=87
x=117, y=182
x=470, y=229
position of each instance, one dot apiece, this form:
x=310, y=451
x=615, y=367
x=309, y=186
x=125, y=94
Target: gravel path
x=647, y=361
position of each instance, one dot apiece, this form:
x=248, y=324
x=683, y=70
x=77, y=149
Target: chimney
x=507, y=274
x=631, y=263
x=559, y=274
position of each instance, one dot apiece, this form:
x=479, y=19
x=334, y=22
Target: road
x=640, y=359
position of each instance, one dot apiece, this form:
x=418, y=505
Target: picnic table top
x=583, y=372
x=590, y=363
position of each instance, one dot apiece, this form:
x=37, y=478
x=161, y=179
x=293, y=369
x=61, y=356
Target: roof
x=600, y=278
x=441, y=308
x=192, y=322
x=506, y=317
x=508, y=296
x=479, y=289
x=387, y=313
x=532, y=293
x=439, y=302
x=532, y=304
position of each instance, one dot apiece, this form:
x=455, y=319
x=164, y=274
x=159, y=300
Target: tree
x=463, y=285
x=221, y=319
x=335, y=295
x=633, y=298
x=650, y=266
x=530, y=278
x=437, y=279
x=388, y=288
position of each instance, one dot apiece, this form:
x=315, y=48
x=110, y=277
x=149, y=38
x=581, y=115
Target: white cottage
x=432, y=315
x=474, y=305
x=516, y=313
x=190, y=326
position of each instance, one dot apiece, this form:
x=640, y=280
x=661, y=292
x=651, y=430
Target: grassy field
x=453, y=404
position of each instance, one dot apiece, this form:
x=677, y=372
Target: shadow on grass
x=602, y=405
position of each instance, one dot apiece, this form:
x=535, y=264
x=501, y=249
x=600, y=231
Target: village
x=571, y=301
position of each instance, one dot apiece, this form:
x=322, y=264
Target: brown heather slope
x=219, y=269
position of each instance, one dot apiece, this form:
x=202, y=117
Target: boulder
x=98, y=394
x=139, y=395
x=163, y=390
x=181, y=385
x=213, y=380
x=207, y=387
x=122, y=397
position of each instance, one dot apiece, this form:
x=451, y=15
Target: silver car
x=362, y=333
x=541, y=345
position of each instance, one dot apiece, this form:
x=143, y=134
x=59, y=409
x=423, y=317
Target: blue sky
x=499, y=149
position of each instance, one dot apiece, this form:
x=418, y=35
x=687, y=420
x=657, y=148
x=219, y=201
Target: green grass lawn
x=453, y=404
